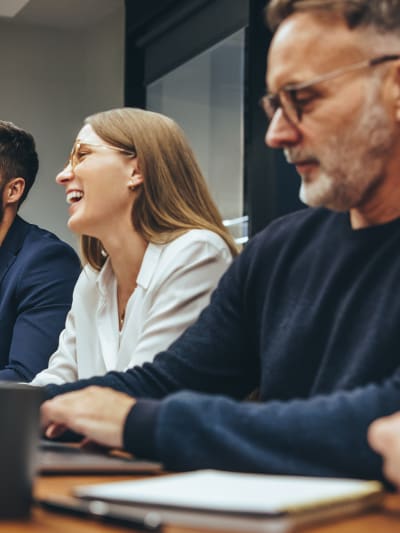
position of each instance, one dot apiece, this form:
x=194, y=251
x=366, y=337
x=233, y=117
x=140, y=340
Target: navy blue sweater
x=309, y=314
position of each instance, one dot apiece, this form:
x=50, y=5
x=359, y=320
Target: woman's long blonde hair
x=174, y=196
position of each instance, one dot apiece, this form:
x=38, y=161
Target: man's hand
x=384, y=438
x=97, y=413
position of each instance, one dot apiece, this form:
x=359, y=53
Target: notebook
x=238, y=502
x=62, y=458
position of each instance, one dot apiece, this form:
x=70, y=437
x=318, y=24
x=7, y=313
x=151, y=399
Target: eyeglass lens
x=282, y=100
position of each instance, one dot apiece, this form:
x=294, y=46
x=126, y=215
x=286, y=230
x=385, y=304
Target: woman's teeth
x=74, y=196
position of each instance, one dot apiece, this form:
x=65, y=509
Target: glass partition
x=205, y=96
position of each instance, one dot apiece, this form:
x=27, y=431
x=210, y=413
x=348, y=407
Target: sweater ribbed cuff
x=140, y=428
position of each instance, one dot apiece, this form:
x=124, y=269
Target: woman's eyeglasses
x=80, y=150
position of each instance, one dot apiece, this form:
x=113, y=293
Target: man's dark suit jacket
x=37, y=276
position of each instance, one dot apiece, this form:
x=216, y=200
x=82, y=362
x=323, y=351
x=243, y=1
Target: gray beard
x=354, y=162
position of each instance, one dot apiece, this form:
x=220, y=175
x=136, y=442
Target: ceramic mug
x=19, y=437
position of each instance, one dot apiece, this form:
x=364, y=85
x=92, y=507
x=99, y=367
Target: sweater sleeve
x=215, y=355
x=323, y=435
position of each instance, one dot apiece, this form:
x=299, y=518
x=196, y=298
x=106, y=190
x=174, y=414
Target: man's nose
x=281, y=132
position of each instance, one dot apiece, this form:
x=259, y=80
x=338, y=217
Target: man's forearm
x=324, y=435
x=139, y=429
x=116, y=380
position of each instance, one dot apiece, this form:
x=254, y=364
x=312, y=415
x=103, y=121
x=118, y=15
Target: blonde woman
x=152, y=242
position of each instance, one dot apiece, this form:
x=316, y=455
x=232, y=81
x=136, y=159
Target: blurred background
x=202, y=62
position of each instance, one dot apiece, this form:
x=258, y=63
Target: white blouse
x=174, y=284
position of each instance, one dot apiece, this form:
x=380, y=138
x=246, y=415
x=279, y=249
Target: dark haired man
x=309, y=313
x=37, y=270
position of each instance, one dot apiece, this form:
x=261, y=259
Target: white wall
x=50, y=81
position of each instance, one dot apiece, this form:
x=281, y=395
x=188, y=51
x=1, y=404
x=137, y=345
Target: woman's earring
x=133, y=183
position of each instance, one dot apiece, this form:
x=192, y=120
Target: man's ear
x=13, y=191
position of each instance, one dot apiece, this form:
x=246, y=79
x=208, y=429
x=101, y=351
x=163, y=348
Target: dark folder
x=62, y=458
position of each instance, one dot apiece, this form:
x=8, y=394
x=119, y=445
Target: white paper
x=225, y=491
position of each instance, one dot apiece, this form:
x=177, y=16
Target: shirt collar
x=149, y=265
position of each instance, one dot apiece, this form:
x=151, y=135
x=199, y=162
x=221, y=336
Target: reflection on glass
x=205, y=96
x=239, y=228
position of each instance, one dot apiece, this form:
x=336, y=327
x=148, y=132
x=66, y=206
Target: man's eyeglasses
x=80, y=150
x=287, y=98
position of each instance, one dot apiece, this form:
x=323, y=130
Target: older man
x=309, y=313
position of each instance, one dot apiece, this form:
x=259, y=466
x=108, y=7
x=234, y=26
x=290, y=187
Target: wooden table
x=386, y=520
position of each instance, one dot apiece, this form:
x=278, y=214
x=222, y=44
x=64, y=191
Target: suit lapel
x=12, y=245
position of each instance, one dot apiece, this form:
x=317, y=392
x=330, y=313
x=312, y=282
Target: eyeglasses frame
x=78, y=144
x=284, y=98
